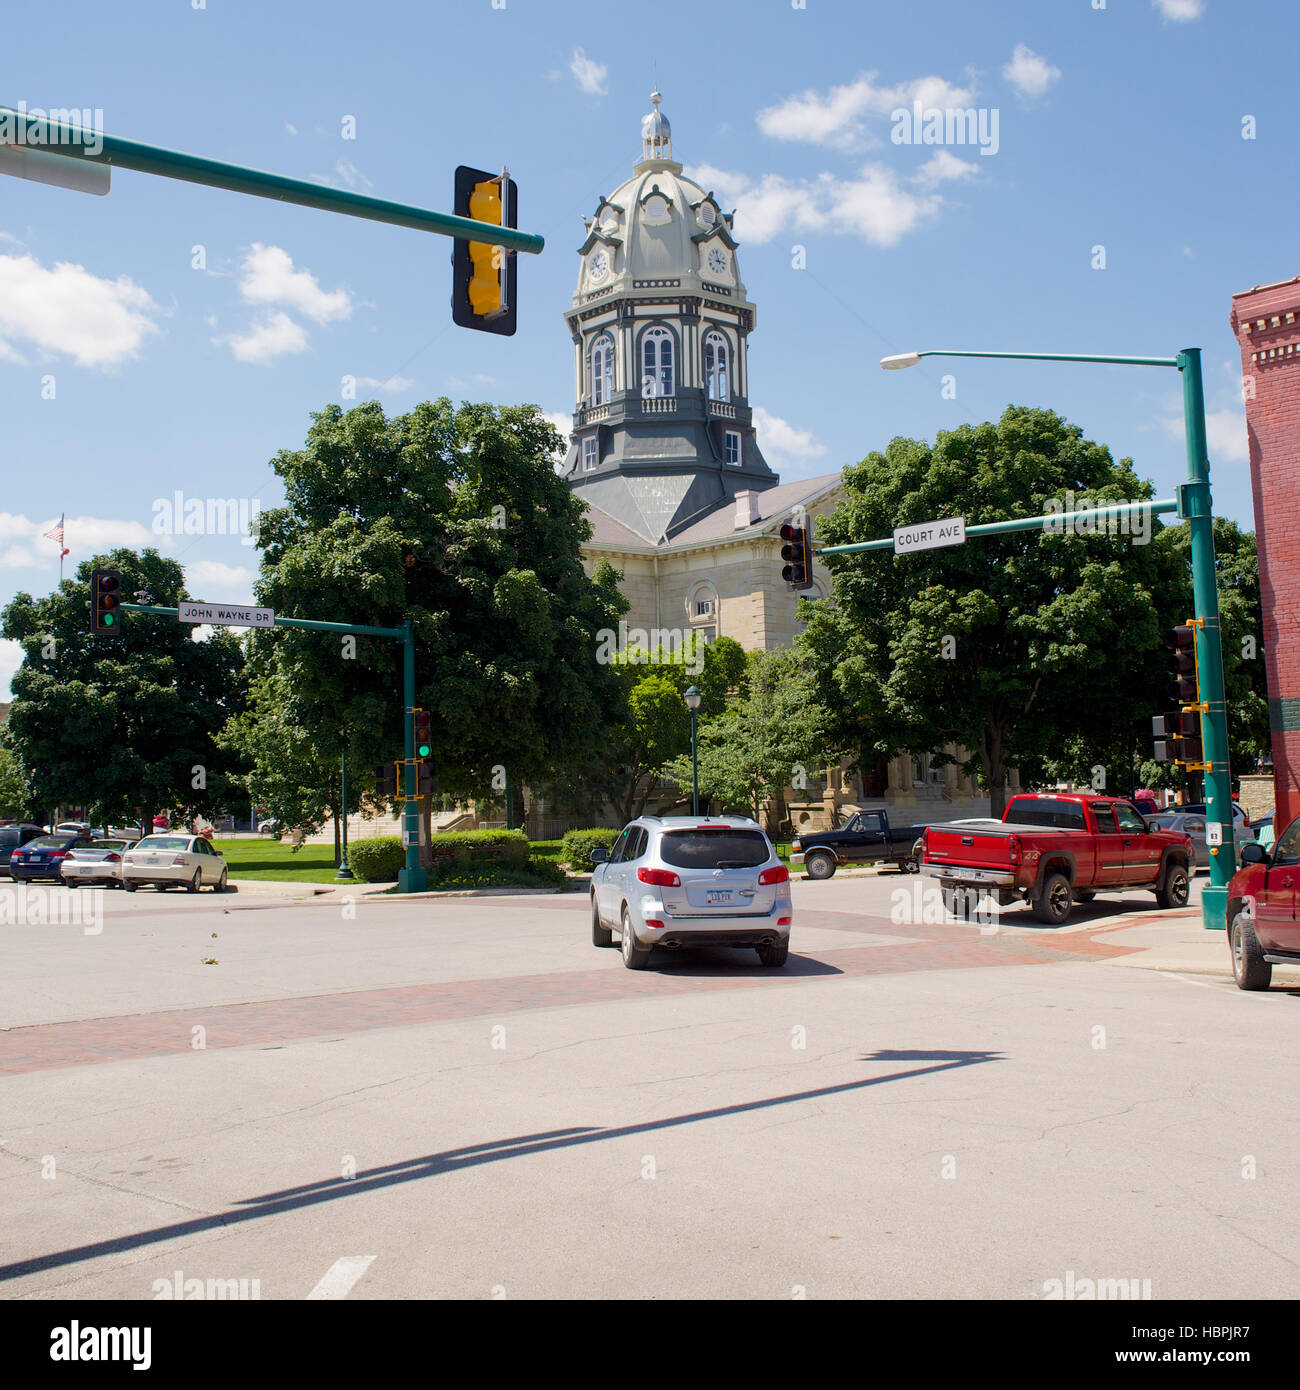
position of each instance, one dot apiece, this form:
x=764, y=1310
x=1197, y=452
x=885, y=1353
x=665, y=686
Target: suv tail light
x=779, y=874
x=1013, y=849
x=663, y=878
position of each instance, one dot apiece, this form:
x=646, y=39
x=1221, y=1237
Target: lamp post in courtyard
x=693, y=698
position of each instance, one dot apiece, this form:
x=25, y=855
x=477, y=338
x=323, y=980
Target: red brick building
x=1266, y=323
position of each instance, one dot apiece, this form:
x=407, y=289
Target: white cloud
x=876, y=205
x=839, y=117
x=273, y=337
x=1225, y=433
x=1030, y=74
x=351, y=175
x=11, y=658
x=943, y=167
x=783, y=440
x=98, y=323
x=224, y=583
x=1226, y=437
x=1180, y=10
x=267, y=276
x=25, y=545
x=563, y=422
x=292, y=129
x=394, y=385
x=589, y=74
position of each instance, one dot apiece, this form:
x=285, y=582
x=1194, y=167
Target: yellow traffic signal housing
x=484, y=276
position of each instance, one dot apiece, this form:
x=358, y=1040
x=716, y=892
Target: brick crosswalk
x=88, y=1042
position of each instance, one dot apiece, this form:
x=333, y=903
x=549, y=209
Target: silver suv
x=676, y=881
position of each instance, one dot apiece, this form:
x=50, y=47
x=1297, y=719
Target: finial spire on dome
x=656, y=133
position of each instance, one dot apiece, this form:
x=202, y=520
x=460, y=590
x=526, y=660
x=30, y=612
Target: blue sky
x=1119, y=127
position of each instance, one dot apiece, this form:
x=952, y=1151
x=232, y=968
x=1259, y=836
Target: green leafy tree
x=1008, y=645
x=454, y=519
x=13, y=795
x=766, y=739
x=123, y=725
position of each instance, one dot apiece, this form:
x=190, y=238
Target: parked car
x=72, y=827
x=170, y=860
x=12, y=836
x=866, y=838
x=1263, y=930
x=98, y=862
x=42, y=856
x=1197, y=808
x=268, y=827
x=1052, y=849
x=1192, y=824
x=677, y=881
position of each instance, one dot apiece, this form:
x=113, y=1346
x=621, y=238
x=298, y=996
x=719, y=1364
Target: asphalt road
x=463, y=1098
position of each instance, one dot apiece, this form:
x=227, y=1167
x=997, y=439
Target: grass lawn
x=269, y=859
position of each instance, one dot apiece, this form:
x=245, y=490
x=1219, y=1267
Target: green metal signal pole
x=94, y=147
x=1193, y=506
x=413, y=878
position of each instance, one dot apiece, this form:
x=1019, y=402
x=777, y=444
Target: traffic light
x=1178, y=737
x=426, y=778
x=423, y=738
x=797, y=554
x=1181, y=642
x=105, y=601
x=483, y=276
x=386, y=779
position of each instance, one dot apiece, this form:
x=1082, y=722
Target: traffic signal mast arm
x=412, y=878
x=94, y=147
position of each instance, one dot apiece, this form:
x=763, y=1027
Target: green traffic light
x=425, y=750
x=108, y=620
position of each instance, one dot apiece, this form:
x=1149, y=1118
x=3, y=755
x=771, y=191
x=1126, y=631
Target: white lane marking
x=341, y=1275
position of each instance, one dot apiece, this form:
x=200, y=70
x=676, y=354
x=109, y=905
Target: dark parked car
x=866, y=838
x=43, y=857
x=11, y=837
x=1263, y=930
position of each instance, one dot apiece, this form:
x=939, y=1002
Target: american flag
x=56, y=535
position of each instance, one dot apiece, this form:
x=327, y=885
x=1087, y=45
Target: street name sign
x=225, y=615
x=930, y=535
x=58, y=170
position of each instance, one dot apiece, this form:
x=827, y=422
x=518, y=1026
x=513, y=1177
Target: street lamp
x=344, y=874
x=1193, y=499
x=693, y=698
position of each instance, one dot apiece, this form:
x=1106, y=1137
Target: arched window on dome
x=657, y=377
x=717, y=375
x=602, y=370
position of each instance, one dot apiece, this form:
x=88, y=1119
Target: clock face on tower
x=598, y=266
x=718, y=261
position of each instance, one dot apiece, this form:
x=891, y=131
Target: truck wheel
x=1176, y=888
x=600, y=936
x=908, y=865
x=1054, y=901
x=819, y=865
x=1249, y=968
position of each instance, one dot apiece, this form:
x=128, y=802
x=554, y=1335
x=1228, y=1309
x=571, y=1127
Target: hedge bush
x=377, y=860
x=466, y=848
x=578, y=844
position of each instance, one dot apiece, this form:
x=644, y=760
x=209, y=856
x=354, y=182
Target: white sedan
x=98, y=862
x=170, y=859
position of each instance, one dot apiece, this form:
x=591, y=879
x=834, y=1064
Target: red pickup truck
x=1053, y=849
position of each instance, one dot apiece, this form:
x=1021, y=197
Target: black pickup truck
x=865, y=838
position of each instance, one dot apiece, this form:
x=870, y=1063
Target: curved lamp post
x=693, y=697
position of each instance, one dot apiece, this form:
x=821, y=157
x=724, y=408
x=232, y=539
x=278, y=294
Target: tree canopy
x=1008, y=645
x=122, y=724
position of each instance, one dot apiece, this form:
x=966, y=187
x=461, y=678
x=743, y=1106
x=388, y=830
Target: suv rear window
x=1064, y=815
x=714, y=849
x=8, y=837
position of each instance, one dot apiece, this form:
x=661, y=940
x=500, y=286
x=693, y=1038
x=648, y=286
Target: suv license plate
x=724, y=897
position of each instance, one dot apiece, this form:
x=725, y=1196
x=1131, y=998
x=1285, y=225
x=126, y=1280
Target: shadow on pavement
x=451, y=1160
